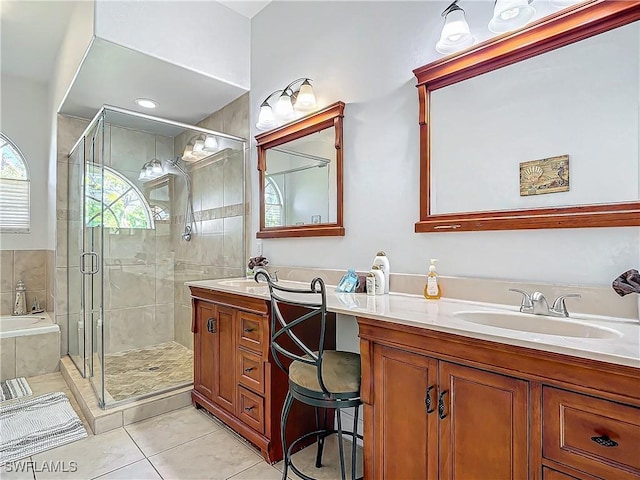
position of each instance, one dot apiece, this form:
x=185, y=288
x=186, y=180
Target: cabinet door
x=203, y=346
x=224, y=368
x=483, y=424
x=405, y=435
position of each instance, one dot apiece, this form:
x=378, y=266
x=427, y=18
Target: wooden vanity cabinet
x=443, y=406
x=235, y=376
x=436, y=419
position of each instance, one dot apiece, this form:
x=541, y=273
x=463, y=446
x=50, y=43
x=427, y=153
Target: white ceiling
x=31, y=33
x=246, y=8
x=115, y=75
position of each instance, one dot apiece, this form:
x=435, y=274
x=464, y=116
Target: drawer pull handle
x=427, y=400
x=249, y=369
x=249, y=330
x=605, y=441
x=248, y=409
x=441, y=413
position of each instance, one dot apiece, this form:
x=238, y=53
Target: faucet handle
x=526, y=304
x=559, y=305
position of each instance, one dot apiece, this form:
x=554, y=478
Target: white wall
x=24, y=119
x=364, y=54
x=202, y=36
x=74, y=46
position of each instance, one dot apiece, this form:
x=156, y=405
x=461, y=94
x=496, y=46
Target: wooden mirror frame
x=328, y=117
x=560, y=29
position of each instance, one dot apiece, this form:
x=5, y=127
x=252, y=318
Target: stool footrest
x=325, y=433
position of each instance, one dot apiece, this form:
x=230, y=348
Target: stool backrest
x=284, y=301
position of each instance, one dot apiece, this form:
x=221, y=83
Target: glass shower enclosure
x=152, y=203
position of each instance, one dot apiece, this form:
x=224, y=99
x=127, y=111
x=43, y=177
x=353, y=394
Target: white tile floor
x=183, y=444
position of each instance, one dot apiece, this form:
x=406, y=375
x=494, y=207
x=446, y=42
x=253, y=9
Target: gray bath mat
x=14, y=388
x=37, y=424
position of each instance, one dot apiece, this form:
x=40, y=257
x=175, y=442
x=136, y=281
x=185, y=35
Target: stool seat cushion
x=340, y=372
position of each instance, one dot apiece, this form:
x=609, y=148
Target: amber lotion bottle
x=432, y=289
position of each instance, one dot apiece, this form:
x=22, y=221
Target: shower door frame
x=98, y=325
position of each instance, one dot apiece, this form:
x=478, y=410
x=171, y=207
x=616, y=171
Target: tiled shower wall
x=221, y=212
x=35, y=269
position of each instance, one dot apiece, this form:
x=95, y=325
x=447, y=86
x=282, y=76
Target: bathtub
x=22, y=325
x=30, y=345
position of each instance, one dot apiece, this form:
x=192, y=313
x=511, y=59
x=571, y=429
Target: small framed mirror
x=300, y=168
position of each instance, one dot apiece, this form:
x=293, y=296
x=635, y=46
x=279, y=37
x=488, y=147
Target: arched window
x=124, y=205
x=14, y=188
x=272, y=205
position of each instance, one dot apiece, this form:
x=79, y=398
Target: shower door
x=85, y=276
x=91, y=264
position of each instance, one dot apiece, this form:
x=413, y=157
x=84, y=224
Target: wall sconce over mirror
x=555, y=166
x=300, y=168
x=460, y=32
x=291, y=103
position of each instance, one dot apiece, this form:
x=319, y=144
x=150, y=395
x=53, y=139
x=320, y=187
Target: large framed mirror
x=538, y=128
x=300, y=168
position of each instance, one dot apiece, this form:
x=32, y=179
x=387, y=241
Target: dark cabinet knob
x=249, y=330
x=428, y=401
x=441, y=408
x=249, y=369
x=211, y=325
x=248, y=409
x=605, y=441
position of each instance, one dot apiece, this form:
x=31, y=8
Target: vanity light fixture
x=199, y=147
x=289, y=103
x=151, y=170
x=146, y=103
x=455, y=32
x=510, y=15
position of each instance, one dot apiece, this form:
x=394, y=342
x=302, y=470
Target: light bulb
x=306, y=99
x=266, y=119
x=284, y=108
x=198, y=146
x=210, y=143
x=156, y=167
x=510, y=15
x=455, y=35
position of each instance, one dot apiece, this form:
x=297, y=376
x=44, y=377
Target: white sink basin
x=537, y=324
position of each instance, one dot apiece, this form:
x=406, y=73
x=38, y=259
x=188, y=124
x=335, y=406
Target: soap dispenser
x=432, y=290
x=20, y=305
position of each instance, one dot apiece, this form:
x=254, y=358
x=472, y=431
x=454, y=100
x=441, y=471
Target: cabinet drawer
x=250, y=370
x=590, y=434
x=250, y=409
x=252, y=332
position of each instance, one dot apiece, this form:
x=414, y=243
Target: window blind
x=14, y=205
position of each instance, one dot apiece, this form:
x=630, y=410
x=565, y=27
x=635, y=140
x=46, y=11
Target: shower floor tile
x=146, y=370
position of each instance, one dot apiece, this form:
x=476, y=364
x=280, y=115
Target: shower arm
x=188, y=211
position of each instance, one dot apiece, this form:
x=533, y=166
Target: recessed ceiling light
x=146, y=103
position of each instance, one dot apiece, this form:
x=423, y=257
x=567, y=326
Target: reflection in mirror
x=535, y=129
x=300, y=181
x=159, y=195
x=580, y=100
x=300, y=167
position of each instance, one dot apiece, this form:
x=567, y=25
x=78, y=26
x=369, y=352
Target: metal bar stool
x=326, y=379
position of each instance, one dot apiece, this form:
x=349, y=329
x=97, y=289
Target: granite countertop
x=439, y=315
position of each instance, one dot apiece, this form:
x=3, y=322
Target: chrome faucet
x=537, y=304
x=263, y=271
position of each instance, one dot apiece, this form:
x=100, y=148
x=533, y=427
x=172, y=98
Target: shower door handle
x=93, y=267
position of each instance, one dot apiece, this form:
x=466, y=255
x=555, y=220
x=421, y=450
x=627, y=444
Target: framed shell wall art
x=548, y=175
